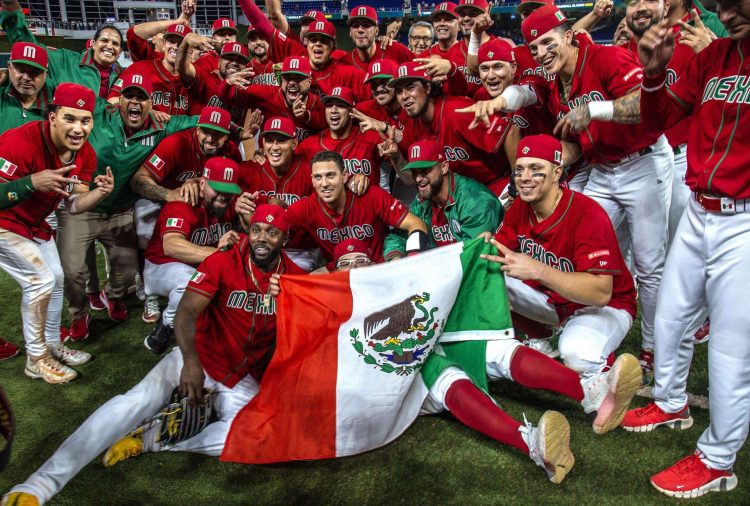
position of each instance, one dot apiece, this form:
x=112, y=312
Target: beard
x=265, y=263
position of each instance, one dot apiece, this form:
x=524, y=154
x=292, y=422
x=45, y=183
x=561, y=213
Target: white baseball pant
x=578, y=182
x=125, y=412
x=636, y=196
x=707, y=265
x=146, y=213
x=167, y=280
x=588, y=336
x=680, y=192
x=35, y=265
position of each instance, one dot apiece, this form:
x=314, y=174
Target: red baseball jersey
x=204, y=92
x=281, y=45
x=270, y=99
x=396, y=52
x=178, y=157
x=264, y=72
x=359, y=150
x=169, y=94
x=474, y=153
x=602, y=73
x=192, y=222
x=29, y=149
x=366, y=218
x=530, y=120
x=139, y=48
x=236, y=334
x=374, y=110
x=528, y=66
x=456, y=83
x=294, y=185
x=334, y=75
x=577, y=237
x=207, y=62
x=712, y=94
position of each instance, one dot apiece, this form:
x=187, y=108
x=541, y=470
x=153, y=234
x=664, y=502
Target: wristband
x=518, y=96
x=474, y=42
x=603, y=111
x=416, y=242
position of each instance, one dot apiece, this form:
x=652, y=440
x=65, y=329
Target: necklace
x=266, y=296
x=558, y=197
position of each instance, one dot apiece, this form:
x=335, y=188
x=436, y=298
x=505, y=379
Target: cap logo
x=215, y=117
x=416, y=151
x=225, y=23
x=559, y=16
x=490, y=54
x=350, y=248
x=294, y=63
x=336, y=92
x=362, y=11
x=228, y=173
x=179, y=28
x=319, y=25
x=525, y=150
x=376, y=68
x=533, y=32
x=236, y=48
x=402, y=71
x=29, y=52
x=81, y=102
x=269, y=218
x=442, y=7
x=206, y=172
x=558, y=156
x=136, y=79
x=275, y=124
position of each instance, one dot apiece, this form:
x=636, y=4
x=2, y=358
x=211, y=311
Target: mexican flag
x=347, y=374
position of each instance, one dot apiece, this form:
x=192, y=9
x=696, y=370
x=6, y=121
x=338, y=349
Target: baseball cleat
x=79, y=328
x=623, y=381
x=158, y=340
x=151, y=311
x=549, y=445
x=19, y=499
x=128, y=446
x=542, y=346
x=691, y=477
x=115, y=307
x=69, y=356
x=49, y=369
x=7, y=350
x=651, y=416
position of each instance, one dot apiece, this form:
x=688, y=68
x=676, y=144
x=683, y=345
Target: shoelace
x=53, y=365
x=648, y=409
x=64, y=351
x=689, y=465
x=152, y=306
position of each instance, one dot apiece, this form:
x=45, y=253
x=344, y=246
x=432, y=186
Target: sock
x=536, y=370
x=531, y=328
x=475, y=409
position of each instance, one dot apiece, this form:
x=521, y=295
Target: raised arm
x=276, y=17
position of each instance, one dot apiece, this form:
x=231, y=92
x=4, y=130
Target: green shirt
x=12, y=113
x=65, y=66
x=126, y=154
x=711, y=20
x=14, y=192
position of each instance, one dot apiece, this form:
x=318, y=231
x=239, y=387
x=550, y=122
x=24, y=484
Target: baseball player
x=168, y=95
x=706, y=263
x=335, y=213
x=27, y=250
x=139, y=34
x=383, y=105
x=260, y=60
x=474, y=19
x=279, y=21
x=293, y=99
x=185, y=236
x=223, y=31
x=363, y=29
x=226, y=330
x=26, y=93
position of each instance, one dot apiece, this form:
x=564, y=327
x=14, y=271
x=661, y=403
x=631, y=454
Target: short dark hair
x=49, y=110
x=108, y=27
x=328, y=156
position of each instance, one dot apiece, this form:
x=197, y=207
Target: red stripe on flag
x=293, y=417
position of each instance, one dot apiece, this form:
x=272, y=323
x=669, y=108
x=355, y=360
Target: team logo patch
x=533, y=33
x=490, y=54
x=7, y=167
x=558, y=156
x=81, y=102
x=157, y=162
x=12, y=196
x=197, y=277
x=559, y=16
x=174, y=222
x=525, y=150
x=269, y=218
x=350, y=248
x=398, y=338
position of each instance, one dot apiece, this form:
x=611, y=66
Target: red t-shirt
x=396, y=52
x=294, y=185
x=366, y=218
x=26, y=150
x=169, y=95
x=193, y=222
x=178, y=157
x=204, y=92
x=236, y=334
x=359, y=150
x=577, y=237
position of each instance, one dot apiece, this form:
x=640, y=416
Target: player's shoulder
x=716, y=50
x=606, y=55
x=583, y=208
x=176, y=138
x=25, y=136
x=289, y=266
x=177, y=209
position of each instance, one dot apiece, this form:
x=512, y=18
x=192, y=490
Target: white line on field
x=698, y=401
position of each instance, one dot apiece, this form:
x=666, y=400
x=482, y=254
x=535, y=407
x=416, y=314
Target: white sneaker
x=542, y=346
x=140, y=289
x=609, y=394
x=69, y=356
x=151, y=311
x=49, y=369
x=549, y=445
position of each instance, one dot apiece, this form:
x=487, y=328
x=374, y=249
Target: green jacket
x=471, y=210
x=65, y=66
x=126, y=154
x=711, y=20
x=14, y=192
x=12, y=113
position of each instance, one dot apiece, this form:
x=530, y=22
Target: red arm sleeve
x=257, y=19
x=388, y=208
x=139, y=48
x=622, y=68
x=668, y=105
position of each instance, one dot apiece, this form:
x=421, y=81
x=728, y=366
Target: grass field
x=437, y=461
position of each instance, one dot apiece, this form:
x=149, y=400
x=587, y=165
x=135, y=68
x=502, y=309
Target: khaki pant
x=76, y=234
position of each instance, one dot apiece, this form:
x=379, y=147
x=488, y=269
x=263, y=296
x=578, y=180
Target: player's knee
x=40, y=285
x=577, y=353
x=499, y=356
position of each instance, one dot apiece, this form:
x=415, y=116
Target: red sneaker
x=7, y=350
x=701, y=335
x=64, y=334
x=115, y=307
x=691, y=477
x=95, y=302
x=651, y=416
x=79, y=328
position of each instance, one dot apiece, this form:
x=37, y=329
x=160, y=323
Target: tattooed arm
x=626, y=110
x=145, y=186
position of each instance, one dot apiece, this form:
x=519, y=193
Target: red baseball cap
x=477, y=5
x=178, y=30
x=381, y=69
x=406, y=72
x=444, y=7
x=340, y=93
x=296, y=65
x=222, y=174
x=544, y=147
x=350, y=246
x=321, y=28
x=362, y=12
x=424, y=154
x=89, y=43
x=310, y=16
x=542, y=21
x=532, y=3
x=74, y=96
x=271, y=214
x=224, y=24
x=496, y=50
x=236, y=48
x=279, y=125
x=29, y=54
x=215, y=118
x=140, y=81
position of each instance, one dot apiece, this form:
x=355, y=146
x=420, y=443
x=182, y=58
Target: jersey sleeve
x=489, y=140
x=399, y=53
x=389, y=209
x=281, y=46
x=176, y=217
x=251, y=97
x=595, y=244
x=15, y=27
x=13, y=162
x=207, y=278
x=163, y=158
x=297, y=214
x=307, y=148
x=139, y=48
x=621, y=68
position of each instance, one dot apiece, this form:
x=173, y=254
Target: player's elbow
x=602, y=294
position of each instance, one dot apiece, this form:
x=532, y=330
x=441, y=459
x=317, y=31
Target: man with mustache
x=25, y=94
x=184, y=237
x=421, y=37
x=363, y=30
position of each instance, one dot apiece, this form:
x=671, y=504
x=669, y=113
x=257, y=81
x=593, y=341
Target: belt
x=678, y=150
x=630, y=157
x=723, y=205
